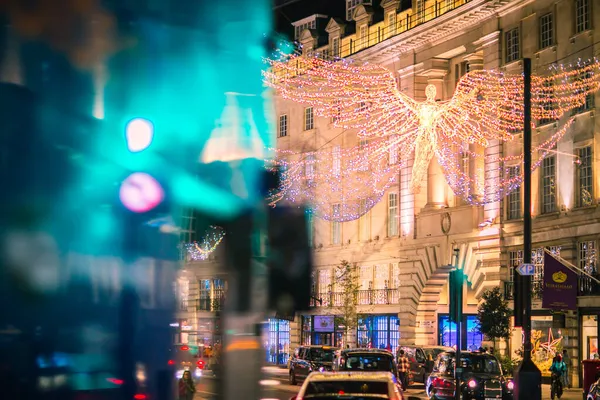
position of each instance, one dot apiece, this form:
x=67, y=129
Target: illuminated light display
x=340, y=184
x=201, y=251
x=140, y=192
x=487, y=107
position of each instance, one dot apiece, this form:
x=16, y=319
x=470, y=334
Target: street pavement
x=279, y=388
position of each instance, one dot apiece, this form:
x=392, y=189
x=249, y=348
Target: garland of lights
x=201, y=251
x=340, y=184
x=486, y=108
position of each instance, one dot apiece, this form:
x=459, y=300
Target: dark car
x=307, y=359
x=480, y=374
x=365, y=360
x=421, y=360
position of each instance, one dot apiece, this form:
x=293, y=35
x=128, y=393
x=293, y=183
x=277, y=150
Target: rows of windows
x=546, y=38
x=584, y=190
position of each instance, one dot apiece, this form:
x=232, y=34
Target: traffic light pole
x=528, y=378
x=457, y=307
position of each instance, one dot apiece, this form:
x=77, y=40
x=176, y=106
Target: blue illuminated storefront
x=471, y=337
x=378, y=331
x=277, y=341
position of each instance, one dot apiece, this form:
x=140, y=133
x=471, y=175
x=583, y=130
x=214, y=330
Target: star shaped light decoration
x=551, y=345
x=486, y=109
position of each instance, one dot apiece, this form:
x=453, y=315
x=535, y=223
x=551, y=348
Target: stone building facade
x=403, y=246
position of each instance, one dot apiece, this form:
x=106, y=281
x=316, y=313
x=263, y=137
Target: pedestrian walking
x=187, y=388
x=403, y=369
x=567, y=376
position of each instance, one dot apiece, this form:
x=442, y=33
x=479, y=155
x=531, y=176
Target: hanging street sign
x=526, y=269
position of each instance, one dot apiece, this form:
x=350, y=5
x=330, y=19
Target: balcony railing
x=364, y=297
x=586, y=286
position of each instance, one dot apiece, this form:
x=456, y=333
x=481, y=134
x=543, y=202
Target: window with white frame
x=585, y=188
x=514, y=198
x=382, y=276
x=324, y=284
x=188, y=232
x=283, y=125
x=546, y=30
x=335, y=47
x=364, y=222
x=395, y=278
x=365, y=277
x=588, y=103
x=464, y=168
x=364, y=36
x=393, y=215
x=549, y=184
x=336, y=226
x=548, y=103
x=309, y=167
x=310, y=226
x=307, y=25
x=352, y=4
x=582, y=15
x=309, y=121
x=420, y=11
x=512, y=45
x=588, y=256
x=336, y=160
x=391, y=24
x=449, y=5
x=363, y=149
x=537, y=259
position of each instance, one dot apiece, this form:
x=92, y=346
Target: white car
x=354, y=385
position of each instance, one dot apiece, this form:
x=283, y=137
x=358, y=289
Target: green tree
x=347, y=284
x=494, y=315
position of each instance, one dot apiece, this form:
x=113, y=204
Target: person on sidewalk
x=567, y=376
x=558, y=369
x=403, y=369
x=187, y=388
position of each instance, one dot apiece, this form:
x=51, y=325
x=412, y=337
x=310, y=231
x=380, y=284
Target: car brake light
x=171, y=362
x=140, y=396
x=115, y=381
x=441, y=383
x=341, y=392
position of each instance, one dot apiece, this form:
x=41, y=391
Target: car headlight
x=510, y=385
x=198, y=373
x=472, y=384
x=179, y=374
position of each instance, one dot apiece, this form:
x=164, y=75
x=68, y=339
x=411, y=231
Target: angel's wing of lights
x=340, y=184
x=490, y=103
x=355, y=95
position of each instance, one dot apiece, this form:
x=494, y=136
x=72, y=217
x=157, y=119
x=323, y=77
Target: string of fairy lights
x=210, y=241
x=485, y=111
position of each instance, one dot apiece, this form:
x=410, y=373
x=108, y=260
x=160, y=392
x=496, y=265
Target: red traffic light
x=171, y=362
x=200, y=364
x=185, y=348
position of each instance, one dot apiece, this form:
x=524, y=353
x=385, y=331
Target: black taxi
x=307, y=359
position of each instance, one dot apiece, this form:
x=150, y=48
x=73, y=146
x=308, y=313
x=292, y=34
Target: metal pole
x=528, y=378
x=457, y=368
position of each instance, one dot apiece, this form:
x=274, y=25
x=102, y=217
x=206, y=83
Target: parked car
x=420, y=367
x=481, y=377
x=307, y=359
x=365, y=360
x=350, y=385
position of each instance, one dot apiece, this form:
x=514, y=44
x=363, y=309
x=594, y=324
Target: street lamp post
x=528, y=377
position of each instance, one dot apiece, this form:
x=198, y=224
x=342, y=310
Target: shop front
x=378, y=331
x=322, y=330
x=277, y=341
x=471, y=337
x=589, y=332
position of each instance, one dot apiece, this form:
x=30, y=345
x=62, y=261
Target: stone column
x=476, y=164
x=407, y=198
x=489, y=46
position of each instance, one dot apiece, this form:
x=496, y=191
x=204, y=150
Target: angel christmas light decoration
x=486, y=109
